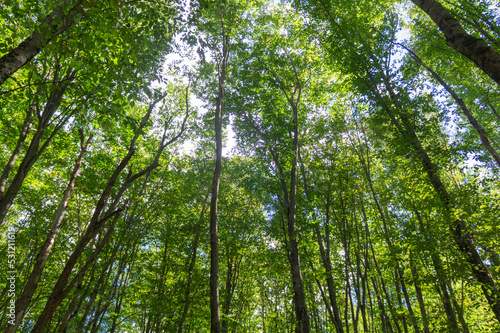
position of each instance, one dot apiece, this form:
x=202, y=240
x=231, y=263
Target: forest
x=250, y=166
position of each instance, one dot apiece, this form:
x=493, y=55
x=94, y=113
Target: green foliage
x=374, y=233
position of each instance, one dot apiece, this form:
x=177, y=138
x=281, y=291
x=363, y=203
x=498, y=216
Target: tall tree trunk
x=418, y=290
x=191, y=265
x=233, y=265
x=41, y=259
x=472, y=120
x=441, y=276
x=53, y=25
x=294, y=257
x=214, y=234
x=325, y=252
x=15, y=154
x=62, y=288
x=99, y=219
x=34, y=150
x=361, y=294
x=365, y=166
x=458, y=227
x=487, y=59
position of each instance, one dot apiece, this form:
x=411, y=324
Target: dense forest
x=250, y=166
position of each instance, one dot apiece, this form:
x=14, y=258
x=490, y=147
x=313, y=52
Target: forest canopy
x=250, y=166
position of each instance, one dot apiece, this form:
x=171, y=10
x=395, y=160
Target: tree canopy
x=250, y=166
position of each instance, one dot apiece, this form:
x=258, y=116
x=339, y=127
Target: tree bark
x=34, y=150
x=294, y=257
x=192, y=263
x=214, y=233
x=418, y=291
x=41, y=259
x=99, y=219
x=54, y=24
x=15, y=154
x=441, y=276
x=325, y=253
x=487, y=59
x=472, y=120
x=458, y=227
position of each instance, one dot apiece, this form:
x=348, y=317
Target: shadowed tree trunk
x=476, y=49
x=192, y=263
x=100, y=217
x=458, y=227
x=41, y=259
x=472, y=120
x=53, y=25
x=214, y=233
x=36, y=147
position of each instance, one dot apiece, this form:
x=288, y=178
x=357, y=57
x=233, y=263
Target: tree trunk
x=214, y=234
x=441, y=276
x=418, y=291
x=472, y=120
x=458, y=227
x=41, y=259
x=192, y=263
x=99, y=219
x=487, y=59
x=294, y=257
x=34, y=150
x=54, y=24
x=15, y=154
x=325, y=253
x=62, y=288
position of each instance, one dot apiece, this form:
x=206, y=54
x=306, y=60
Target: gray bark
x=54, y=24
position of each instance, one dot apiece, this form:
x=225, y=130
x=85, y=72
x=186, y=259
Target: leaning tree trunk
x=325, y=253
x=41, y=259
x=472, y=120
x=476, y=49
x=189, y=277
x=458, y=228
x=53, y=25
x=37, y=146
x=99, y=219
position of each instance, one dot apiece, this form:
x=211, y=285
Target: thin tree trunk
x=15, y=154
x=325, y=252
x=414, y=322
x=214, y=234
x=41, y=259
x=495, y=112
x=458, y=309
x=472, y=120
x=361, y=285
x=487, y=59
x=458, y=227
x=418, y=290
x=53, y=25
x=441, y=276
x=384, y=289
x=400, y=303
x=62, y=288
x=34, y=150
x=294, y=257
x=192, y=263
x=100, y=218
x=365, y=167
x=329, y=311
